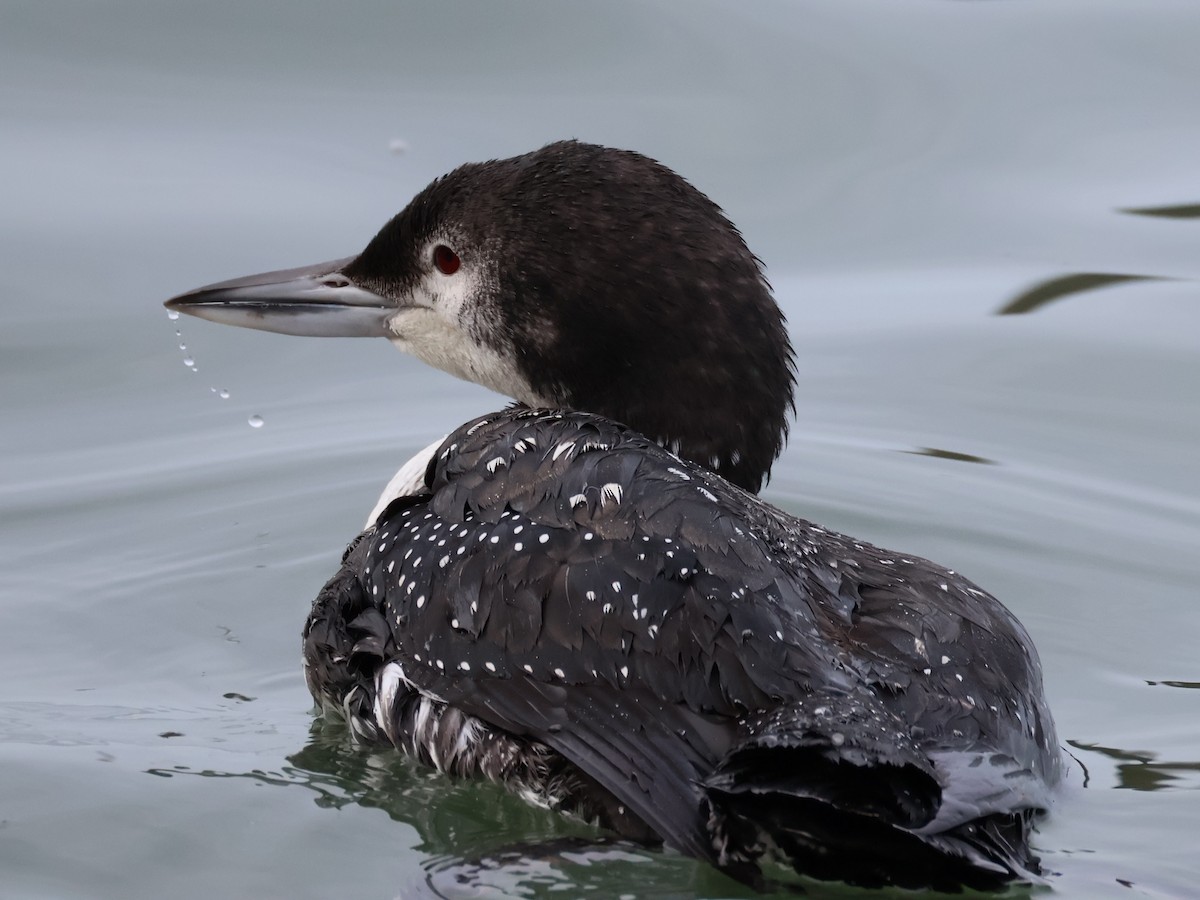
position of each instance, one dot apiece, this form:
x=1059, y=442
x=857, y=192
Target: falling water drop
x=255, y=421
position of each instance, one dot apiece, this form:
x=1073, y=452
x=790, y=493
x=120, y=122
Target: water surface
x=979, y=218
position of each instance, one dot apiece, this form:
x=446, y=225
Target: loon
x=582, y=596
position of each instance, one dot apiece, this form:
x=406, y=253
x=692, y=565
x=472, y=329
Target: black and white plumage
x=608, y=619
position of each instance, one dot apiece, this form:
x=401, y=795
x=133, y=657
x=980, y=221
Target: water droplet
x=255, y=421
x=172, y=315
x=189, y=362
x=223, y=394
x=182, y=345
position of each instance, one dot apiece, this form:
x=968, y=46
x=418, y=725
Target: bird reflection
x=461, y=826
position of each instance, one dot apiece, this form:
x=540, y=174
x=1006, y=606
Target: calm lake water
x=942, y=192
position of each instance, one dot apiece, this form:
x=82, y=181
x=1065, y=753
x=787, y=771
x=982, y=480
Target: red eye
x=446, y=260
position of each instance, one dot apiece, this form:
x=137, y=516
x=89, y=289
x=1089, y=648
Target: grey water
x=981, y=218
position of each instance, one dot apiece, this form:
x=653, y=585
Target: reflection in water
x=548, y=868
x=954, y=455
x=1138, y=771
x=1184, y=211
x=1045, y=292
x=1191, y=685
x=479, y=840
x=457, y=817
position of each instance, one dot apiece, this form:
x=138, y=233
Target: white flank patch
x=408, y=481
x=467, y=736
x=420, y=723
x=387, y=684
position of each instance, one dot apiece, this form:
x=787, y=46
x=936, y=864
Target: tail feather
x=837, y=786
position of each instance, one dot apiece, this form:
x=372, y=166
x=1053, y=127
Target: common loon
x=581, y=596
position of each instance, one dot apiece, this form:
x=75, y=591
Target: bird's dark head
x=575, y=276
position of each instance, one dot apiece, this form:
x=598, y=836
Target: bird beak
x=316, y=301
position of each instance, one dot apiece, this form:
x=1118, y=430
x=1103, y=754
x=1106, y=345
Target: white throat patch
x=437, y=329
